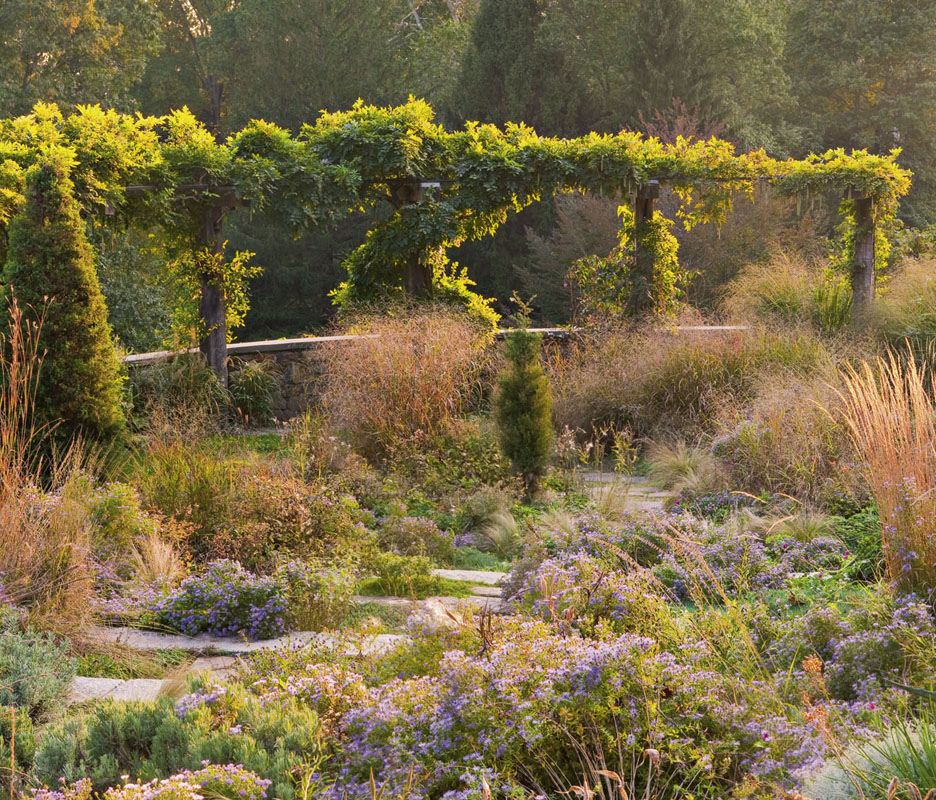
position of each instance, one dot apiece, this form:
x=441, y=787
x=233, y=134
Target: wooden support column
x=212, y=308
x=863, y=266
x=643, y=280
x=417, y=278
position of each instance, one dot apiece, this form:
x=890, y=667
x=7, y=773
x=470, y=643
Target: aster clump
x=524, y=710
x=225, y=600
x=230, y=781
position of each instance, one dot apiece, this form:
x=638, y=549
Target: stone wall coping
x=301, y=343
x=311, y=342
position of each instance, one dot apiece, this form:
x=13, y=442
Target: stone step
x=483, y=596
x=471, y=575
x=83, y=689
x=151, y=640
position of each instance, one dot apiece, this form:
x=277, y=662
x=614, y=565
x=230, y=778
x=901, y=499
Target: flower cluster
x=225, y=600
x=230, y=781
x=330, y=689
x=577, y=589
x=821, y=554
x=880, y=640
x=726, y=563
x=206, y=696
x=508, y=713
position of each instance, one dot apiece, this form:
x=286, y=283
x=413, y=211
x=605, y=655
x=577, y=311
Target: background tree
x=864, y=76
x=73, y=51
x=512, y=73
x=722, y=56
x=49, y=258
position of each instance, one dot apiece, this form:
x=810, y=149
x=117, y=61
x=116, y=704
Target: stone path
x=152, y=640
x=83, y=689
x=471, y=576
x=434, y=611
x=640, y=494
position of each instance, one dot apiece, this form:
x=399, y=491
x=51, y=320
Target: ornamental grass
x=888, y=408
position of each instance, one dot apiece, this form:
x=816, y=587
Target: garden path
x=432, y=611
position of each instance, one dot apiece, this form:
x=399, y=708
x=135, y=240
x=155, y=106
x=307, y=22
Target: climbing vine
x=443, y=187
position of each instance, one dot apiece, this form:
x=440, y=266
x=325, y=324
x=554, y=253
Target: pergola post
x=643, y=280
x=863, y=266
x=417, y=278
x=212, y=307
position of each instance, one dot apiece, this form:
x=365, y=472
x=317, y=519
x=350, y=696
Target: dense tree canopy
x=757, y=73
x=73, y=51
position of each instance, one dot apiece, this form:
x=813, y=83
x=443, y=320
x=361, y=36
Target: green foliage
x=415, y=536
x=626, y=281
x=185, y=276
x=156, y=740
x=253, y=387
x=355, y=160
x=523, y=407
x=80, y=53
x=17, y=742
x=133, y=282
x=49, y=260
x=183, y=386
x=861, y=531
x=35, y=673
x=407, y=576
x=317, y=595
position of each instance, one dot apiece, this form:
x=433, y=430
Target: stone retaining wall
x=299, y=363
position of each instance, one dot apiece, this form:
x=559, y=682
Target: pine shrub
x=49, y=260
x=523, y=408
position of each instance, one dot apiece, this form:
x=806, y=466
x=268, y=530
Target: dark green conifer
x=50, y=260
x=523, y=408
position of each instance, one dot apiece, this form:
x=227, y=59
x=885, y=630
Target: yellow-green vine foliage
x=621, y=284
x=353, y=160
x=185, y=275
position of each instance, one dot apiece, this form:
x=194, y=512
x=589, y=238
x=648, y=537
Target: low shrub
x=659, y=383
x=406, y=374
x=46, y=563
x=17, y=746
x=717, y=507
x=906, y=309
x=177, y=388
x=317, y=595
x=402, y=576
x=677, y=466
x=880, y=639
x=535, y=708
x=253, y=388
x=463, y=460
x=225, y=600
x=788, y=440
x=35, y=673
x=789, y=290
x=577, y=591
x=249, y=509
x=415, y=536
x=209, y=725
x=231, y=782
x=722, y=565
x=861, y=533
